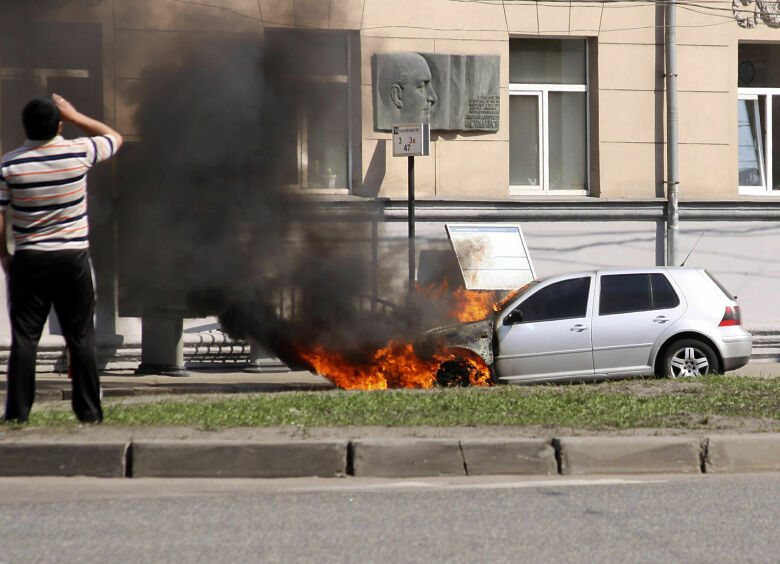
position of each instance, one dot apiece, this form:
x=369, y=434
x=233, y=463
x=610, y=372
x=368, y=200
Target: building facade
x=566, y=138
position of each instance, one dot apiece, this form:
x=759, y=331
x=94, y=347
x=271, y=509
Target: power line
x=727, y=14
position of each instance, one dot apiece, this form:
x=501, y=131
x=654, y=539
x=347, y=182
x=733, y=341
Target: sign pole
x=412, y=251
x=411, y=140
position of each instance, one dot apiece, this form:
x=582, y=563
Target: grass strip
x=609, y=405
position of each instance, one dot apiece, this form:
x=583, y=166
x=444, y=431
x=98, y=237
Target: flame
x=502, y=302
x=473, y=305
x=396, y=365
x=467, y=305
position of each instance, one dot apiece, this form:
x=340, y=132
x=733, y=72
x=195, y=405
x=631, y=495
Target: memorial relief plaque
x=449, y=92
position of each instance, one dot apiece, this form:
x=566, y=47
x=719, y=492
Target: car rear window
x=626, y=293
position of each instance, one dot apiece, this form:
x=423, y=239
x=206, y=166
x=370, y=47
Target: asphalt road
x=732, y=518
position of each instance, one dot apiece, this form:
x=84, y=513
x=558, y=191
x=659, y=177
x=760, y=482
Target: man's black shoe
x=12, y=421
x=91, y=420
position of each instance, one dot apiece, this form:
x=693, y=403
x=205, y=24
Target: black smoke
x=229, y=237
x=207, y=225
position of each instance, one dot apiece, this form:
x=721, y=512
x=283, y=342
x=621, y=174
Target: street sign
x=412, y=140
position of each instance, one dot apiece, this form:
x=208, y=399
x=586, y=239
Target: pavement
x=107, y=451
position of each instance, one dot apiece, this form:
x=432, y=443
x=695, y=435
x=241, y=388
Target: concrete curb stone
x=238, y=459
x=405, y=458
x=509, y=456
x=87, y=458
x=390, y=458
x=617, y=455
x=743, y=453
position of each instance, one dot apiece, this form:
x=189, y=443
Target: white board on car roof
x=491, y=256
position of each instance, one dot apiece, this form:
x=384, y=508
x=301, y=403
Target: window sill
x=750, y=191
x=521, y=191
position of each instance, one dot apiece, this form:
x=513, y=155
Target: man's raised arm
x=88, y=125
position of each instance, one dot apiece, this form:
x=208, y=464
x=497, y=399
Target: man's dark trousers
x=37, y=280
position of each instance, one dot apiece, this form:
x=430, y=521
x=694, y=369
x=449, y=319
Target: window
x=758, y=120
x=69, y=62
x=316, y=154
x=562, y=300
x=626, y=293
x=548, y=116
x=664, y=296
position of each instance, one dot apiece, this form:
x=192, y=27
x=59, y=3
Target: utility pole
x=672, y=178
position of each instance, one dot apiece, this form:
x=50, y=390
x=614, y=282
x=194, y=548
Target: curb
x=97, y=459
x=616, y=455
x=239, y=459
x=392, y=458
x=743, y=453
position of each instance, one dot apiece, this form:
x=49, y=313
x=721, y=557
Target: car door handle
x=579, y=328
x=661, y=319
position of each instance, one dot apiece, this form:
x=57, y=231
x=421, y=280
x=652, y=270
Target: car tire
x=452, y=374
x=689, y=358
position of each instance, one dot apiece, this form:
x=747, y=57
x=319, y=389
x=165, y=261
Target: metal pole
x=672, y=178
x=412, y=252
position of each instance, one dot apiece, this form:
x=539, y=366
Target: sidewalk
x=52, y=386
x=108, y=451
x=231, y=380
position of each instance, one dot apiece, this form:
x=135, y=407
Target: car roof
x=627, y=270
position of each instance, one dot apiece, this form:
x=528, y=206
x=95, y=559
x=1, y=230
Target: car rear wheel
x=689, y=358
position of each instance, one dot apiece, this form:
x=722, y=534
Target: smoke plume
x=206, y=224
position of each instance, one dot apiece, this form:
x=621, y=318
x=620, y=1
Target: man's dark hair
x=41, y=119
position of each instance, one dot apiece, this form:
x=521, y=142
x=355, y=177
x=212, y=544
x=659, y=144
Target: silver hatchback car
x=615, y=323
x=672, y=322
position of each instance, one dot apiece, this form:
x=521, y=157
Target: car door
x=632, y=311
x=547, y=333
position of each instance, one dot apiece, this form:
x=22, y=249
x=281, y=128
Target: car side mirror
x=514, y=316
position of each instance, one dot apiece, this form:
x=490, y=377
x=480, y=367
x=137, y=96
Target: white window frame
x=764, y=96
x=543, y=91
x=303, y=185
x=303, y=139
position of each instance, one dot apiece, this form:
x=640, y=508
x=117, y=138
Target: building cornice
x=542, y=209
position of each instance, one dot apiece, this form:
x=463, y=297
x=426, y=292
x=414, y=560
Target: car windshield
x=514, y=295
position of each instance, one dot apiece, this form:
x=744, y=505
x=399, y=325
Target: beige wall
x=628, y=156
x=628, y=109
x=461, y=165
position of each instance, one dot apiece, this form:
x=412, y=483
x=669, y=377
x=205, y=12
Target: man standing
x=43, y=190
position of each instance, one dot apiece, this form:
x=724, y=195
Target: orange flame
x=397, y=365
x=394, y=366
x=467, y=305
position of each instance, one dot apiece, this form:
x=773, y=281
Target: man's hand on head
x=67, y=111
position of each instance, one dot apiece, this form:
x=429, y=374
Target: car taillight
x=731, y=317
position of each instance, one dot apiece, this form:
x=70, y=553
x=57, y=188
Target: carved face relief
x=414, y=96
x=449, y=92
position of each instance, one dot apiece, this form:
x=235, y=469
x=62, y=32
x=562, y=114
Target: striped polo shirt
x=45, y=184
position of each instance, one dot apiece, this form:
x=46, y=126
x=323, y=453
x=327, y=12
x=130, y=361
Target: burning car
x=672, y=322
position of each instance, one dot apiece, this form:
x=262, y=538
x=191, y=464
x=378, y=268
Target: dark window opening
x=628, y=293
x=567, y=299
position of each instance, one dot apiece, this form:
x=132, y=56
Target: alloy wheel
x=689, y=362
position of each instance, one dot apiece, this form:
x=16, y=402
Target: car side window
x=562, y=300
x=626, y=293
x=623, y=293
x=664, y=296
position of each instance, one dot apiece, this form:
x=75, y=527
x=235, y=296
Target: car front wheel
x=689, y=358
